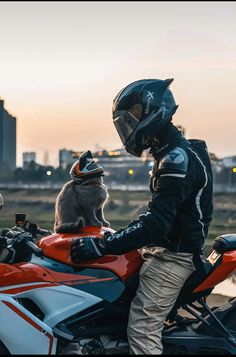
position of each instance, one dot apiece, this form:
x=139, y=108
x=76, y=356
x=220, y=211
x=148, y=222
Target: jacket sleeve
x=174, y=182
x=133, y=237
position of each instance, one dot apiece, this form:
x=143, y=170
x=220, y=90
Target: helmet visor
x=127, y=121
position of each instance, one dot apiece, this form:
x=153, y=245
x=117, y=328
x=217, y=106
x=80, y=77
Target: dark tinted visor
x=92, y=166
x=127, y=121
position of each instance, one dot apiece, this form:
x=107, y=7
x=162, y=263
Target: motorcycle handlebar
x=35, y=249
x=44, y=231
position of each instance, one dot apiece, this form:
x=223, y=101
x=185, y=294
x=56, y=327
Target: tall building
x=28, y=157
x=119, y=165
x=46, y=158
x=7, y=139
x=67, y=157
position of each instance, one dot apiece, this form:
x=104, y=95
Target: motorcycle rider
x=174, y=227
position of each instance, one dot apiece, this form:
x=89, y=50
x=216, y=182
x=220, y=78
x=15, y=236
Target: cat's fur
x=80, y=204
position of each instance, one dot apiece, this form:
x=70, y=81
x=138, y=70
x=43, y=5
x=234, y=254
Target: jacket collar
x=170, y=137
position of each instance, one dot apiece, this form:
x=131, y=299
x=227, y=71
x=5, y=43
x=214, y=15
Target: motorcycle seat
x=225, y=243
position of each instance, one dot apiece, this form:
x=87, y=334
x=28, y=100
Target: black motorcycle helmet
x=85, y=167
x=140, y=111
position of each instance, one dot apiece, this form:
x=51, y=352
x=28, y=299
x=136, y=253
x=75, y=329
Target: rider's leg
x=161, y=278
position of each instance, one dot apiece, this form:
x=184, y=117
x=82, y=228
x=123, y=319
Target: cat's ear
x=86, y=154
x=89, y=154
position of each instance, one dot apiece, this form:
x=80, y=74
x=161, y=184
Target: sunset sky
x=62, y=63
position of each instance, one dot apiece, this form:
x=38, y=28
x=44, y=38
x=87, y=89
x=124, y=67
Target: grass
x=120, y=209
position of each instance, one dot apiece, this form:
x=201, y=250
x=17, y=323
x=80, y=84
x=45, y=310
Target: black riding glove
x=125, y=240
x=87, y=248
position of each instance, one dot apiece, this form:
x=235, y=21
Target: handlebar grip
x=35, y=249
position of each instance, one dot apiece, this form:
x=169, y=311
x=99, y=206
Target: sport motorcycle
x=51, y=305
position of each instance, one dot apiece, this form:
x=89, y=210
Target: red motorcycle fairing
x=98, y=282
x=57, y=246
x=29, y=273
x=46, y=272
x=22, y=273
x=38, y=273
x=222, y=271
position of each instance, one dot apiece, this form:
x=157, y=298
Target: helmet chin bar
x=152, y=142
x=136, y=148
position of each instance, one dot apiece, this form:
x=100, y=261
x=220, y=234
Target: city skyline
x=62, y=63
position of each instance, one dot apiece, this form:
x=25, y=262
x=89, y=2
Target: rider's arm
x=174, y=185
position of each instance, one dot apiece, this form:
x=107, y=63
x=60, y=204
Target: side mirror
x=1, y=201
x=20, y=219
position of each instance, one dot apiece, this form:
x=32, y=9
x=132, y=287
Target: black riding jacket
x=180, y=211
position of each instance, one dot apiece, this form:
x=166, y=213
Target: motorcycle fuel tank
x=57, y=246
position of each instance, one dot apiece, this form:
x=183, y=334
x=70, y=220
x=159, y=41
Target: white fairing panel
x=59, y=302
x=22, y=332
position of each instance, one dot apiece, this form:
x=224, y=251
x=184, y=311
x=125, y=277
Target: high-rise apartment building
x=7, y=139
x=67, y=157
x=28, y=157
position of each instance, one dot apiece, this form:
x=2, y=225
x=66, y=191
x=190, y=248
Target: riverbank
x=121, y=207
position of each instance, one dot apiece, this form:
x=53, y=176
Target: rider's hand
x=87, y=248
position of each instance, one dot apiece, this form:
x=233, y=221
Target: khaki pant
x=161, y=277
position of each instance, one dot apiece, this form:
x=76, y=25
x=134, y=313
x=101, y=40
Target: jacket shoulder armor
x=175, y=161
